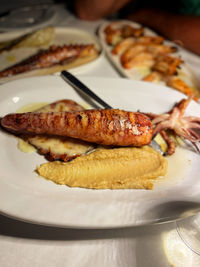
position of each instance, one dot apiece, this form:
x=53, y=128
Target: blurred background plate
x=27, y=17
x=185, y=72
x=62, y=35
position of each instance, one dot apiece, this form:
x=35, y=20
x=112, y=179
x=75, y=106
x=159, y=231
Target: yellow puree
x=118, y=168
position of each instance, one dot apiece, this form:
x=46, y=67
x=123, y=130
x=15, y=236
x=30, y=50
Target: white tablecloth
x=27, y=245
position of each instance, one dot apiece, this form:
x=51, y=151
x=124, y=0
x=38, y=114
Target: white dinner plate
x=26, y=196
x=185, y=72
x=63, y=35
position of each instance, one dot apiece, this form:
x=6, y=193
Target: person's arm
x=97, y=9
x=175, y=27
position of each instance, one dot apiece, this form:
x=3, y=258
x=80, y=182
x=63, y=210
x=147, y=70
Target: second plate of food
x=47, y=51
x=139, y=53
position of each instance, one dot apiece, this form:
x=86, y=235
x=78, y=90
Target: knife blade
x=77, y=84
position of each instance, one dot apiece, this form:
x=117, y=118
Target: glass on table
x=189, y=231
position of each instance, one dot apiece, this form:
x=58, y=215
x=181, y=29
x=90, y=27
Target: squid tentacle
x=170, y=142
x=192, y=118
x=161, y=126
x=182, y=126
x=193, y=125
x=160, y=118
x=190, y=135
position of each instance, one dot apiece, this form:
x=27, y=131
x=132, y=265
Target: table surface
x=25, y=244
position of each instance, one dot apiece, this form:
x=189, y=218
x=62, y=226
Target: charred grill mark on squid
x=107, y=127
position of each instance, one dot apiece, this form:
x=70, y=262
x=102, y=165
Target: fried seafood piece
x=154, y=76
x=123, y=45
x=150, y=40
x=113, y=37
x=161, y=49
x=130, y=31
x=167, y=64
x=58, y=147
x=163, y=67
x=143, y=59
x=174, y=82
x=116, y=31
x=55, y=55
x=126, y=29
x=157, y=52
x=131, y=52
x=107, y=127
x=112, y=27
x=180, y=85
